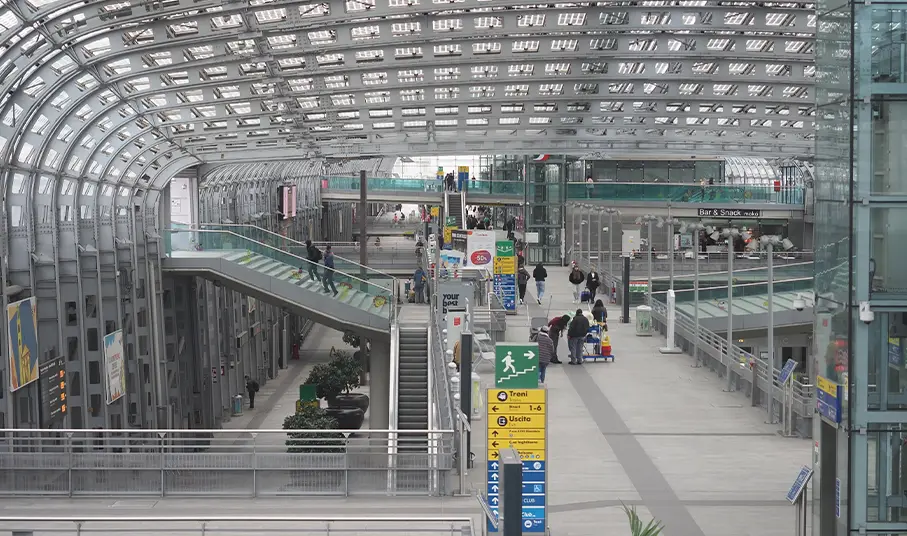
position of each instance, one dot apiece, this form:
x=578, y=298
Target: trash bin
x=237, y=405
x=643, y=321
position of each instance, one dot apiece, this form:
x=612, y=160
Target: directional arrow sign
x=494, y=408
x=494, y=444
x=494, y=465
x=495, y=488
x=516, y=367
x=494, y=433
x=494, y=476
x=494, y=500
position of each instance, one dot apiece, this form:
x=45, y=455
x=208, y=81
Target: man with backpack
x=313, y=255
x=252, y=388
x=522, y=279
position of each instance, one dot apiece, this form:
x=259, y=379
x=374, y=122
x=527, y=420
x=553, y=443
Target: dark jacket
x=592, y=280
x=522, y=276
x=577, y=276
x=546, y=348
x=540, y=273
x=312, y=253
x=579, y=326
x=600, y=314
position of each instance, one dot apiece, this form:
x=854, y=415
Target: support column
x=625, y=299
x=363, y=225
x=466, y=385
x=379, y=385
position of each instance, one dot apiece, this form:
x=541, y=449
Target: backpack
x=523, y=277
x=255, y=386
x=316, y=254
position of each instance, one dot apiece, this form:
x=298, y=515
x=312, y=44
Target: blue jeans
x=575, y=344
x=540, y=289
x=542, y=369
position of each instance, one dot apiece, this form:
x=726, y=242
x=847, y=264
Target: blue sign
x=505, y=288
x=895, y=354
x=793, y=494
x=534, y=498
x=828, y=400
x=789, y=366
x=838, y=498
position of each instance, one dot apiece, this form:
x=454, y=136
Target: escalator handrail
x=394, y=393
x=303, y=262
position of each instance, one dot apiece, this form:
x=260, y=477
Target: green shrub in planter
x=348, y=371
x=653, y=528
x=310, y=417
x=327, y=381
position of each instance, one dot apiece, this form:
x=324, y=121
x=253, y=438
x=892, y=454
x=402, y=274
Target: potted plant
x=653, y=528
x=312, y=417
x=329, y=384
x=355, y=341
x=348, y=372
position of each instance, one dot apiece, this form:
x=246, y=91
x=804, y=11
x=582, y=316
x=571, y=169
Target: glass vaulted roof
x=93, y=88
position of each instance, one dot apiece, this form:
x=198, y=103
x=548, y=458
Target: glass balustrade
x=229, y=241
x=683, y=193
x=298, y=249
x=404, y=185
x=741, y=291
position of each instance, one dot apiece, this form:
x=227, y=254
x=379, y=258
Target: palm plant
x=653, y=528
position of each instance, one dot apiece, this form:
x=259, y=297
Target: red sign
x=480, y=257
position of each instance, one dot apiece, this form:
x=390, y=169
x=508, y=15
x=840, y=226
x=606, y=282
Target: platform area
x=646, y=430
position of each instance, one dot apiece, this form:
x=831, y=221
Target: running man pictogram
x=508, y=363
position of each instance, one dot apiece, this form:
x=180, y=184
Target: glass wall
x=861, y=171
x=676, y=171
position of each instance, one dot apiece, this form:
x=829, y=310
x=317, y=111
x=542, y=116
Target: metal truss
x=121, y=89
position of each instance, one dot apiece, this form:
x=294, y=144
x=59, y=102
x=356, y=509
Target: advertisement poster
x=505, y=274
x=115, y=365
x=453, y=295
x=22, y=327
x=480, y=248
x=451, y=263
x=450, y=227
x=458, y=240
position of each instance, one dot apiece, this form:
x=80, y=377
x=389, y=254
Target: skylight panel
x=363, y=56
x=357, y=6
x=530, y=20
x=266, y=16
x=485, y=22
x=377, y=97
x=360, y=33
x=372, y=79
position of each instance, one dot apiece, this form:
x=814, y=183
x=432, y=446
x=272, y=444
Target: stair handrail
x=463, y=207
x=393, y=406
x=296, y=243
x=282, y=252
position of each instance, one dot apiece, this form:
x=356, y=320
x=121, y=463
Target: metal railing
x=242, y=463
x=221, y=525
x=684, y=193
x=393, y=405
x=741, y=364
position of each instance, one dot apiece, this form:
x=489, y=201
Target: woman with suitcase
x=577, y=278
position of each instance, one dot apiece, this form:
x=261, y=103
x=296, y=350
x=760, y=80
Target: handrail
x=282, y=252
x=736, y=271
x=393, y=403
x=296, y=242
x=737, y=285
x=149, y=432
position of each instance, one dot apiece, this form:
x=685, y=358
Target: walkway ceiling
x=132, y=88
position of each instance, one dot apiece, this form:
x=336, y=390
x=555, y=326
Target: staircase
x=455, y=207
x=412, y=400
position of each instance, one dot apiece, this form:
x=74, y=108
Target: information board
x=518, y=418
x=828, y=400
x=793, y=494
x=789, y=366
x=516, y=365
x=504, y=268
x=52, y=382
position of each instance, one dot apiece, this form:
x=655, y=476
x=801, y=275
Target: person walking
x=599, y=313
x=539, y=274
x=328, y=279
x=251, y=388
x=556, y=328
x=546, y=352
x=313, y=254
x=576, y=336
x=593, y=281
x=576, y=278
x=522, y=279
x=419, y=280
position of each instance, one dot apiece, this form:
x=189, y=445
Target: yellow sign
x=506, y=409
x=504, y=265
x=517, y=433
x=516, y=396
x=519, y=444
x=301, y=403
x=435, y=212
x=534, y=455
x=448, y=235
x=515, y=421
x=827, y=386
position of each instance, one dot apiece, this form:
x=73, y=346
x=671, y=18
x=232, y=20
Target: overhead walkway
x=279, y=277
x=397, y=190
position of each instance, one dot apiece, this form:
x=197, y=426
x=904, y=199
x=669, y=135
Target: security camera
x=866, y=314
x=799, y=303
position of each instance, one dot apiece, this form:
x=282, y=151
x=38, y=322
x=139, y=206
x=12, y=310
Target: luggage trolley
x=597, y=344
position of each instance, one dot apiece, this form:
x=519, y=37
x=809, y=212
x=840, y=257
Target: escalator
x=412, y=388
x=455, y=207
x=280, y=278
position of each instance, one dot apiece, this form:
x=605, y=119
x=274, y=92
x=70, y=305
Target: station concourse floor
x=648, y=430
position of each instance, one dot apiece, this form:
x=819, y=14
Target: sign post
x=786, y=382
x=671, y=314
x=518, y=419
x=796, y=495
x=516, y=366
x=828, y=400
x=505, y=274
x=52, y=382
x=510, y=500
